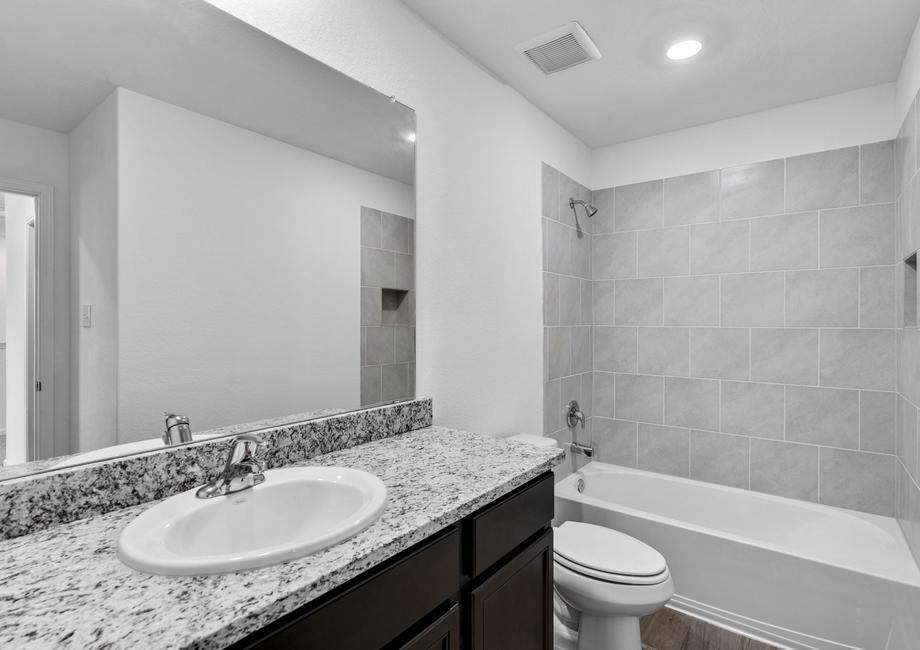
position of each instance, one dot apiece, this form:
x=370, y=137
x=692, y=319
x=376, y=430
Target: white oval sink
x=295, y=512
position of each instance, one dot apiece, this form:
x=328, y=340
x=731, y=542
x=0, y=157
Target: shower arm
x=590, y=210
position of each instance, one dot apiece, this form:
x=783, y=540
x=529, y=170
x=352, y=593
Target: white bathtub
x=792, y=573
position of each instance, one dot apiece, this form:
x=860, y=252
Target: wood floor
x=670, y=630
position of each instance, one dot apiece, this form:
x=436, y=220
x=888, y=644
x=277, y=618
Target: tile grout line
x=785, y=412
x=721, y=383
x=859, y=179
x=728, y=434
x=750, y=462
x=886, y=265
x=859, y=273
x=771, y=215
x=859, y=421
x=739, y=380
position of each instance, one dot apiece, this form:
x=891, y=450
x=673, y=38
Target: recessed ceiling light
x=684, y=50
x=411, y=137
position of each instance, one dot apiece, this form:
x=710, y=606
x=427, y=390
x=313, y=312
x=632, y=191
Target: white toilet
x=610, y=579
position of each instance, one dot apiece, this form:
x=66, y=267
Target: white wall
x=39, y=156
x=3, y=301
x=478, y=201
x=94, y=197
x=852, y=118
x=19, y=210
x=909, y=78
x=238, y=271
x=2, y=289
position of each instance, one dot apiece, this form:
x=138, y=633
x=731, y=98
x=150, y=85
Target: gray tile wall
x=907, y=187
x=744, y=324
x=387, y=307
x=569, y=304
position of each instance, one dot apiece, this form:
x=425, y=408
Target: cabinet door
x=443, y=634
x=512, y=609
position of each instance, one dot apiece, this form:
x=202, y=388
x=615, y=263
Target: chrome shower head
x=590, y=210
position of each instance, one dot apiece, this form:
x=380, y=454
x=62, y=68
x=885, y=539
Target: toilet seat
x=617, y=578
x=605, y=554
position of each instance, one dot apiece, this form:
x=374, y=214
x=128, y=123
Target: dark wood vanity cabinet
x=484, y=583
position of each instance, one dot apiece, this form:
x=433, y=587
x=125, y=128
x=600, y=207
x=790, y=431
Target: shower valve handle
x=573, y=415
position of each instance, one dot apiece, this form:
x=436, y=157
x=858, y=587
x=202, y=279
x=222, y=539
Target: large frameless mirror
x=198, y=220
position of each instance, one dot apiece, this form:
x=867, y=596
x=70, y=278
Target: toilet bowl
x=610, y=580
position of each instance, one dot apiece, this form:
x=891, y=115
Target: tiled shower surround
x=744, y=326
x=907, y=157
x=387, y=307
x=567, y=305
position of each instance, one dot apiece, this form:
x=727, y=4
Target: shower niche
x=394, y=304
x=387, y=306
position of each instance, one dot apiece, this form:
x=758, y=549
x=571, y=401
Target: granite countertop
x=64, y=586
x=117, y=451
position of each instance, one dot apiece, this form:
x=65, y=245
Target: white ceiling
x=758, y=54
x=60, y=58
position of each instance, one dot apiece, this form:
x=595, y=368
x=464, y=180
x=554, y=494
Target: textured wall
x=94, y=229
x=908, y=82
x=843, y=120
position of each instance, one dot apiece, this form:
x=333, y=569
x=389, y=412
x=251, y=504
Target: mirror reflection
x=197, y=221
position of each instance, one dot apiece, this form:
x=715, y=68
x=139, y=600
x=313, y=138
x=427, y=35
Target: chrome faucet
x=574, y=417
x=178, y=429
x=242, y=470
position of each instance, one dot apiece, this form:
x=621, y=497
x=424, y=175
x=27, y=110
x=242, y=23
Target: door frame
x=42, y=440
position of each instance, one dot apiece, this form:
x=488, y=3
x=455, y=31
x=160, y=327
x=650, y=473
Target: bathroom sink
x=295, y=512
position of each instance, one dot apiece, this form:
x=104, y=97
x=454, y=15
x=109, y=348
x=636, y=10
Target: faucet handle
x=246, y=448
x=243, y=469
x=574, y=415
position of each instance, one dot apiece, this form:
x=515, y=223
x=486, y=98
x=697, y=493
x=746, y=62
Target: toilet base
x=609, y=633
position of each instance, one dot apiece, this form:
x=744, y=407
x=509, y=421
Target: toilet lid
x=616, y=578
x=606, y=551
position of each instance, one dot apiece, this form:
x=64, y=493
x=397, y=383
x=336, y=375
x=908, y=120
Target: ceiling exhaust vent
x=560, y=48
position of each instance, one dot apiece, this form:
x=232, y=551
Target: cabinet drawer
x=375, y=611
x=501, y=527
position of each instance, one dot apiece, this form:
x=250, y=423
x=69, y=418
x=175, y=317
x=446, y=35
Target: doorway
x=26, y=411
x=18, y=355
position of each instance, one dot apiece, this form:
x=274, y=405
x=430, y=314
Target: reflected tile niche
x=387, y=307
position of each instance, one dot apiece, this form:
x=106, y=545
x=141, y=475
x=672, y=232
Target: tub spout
x=586, y=450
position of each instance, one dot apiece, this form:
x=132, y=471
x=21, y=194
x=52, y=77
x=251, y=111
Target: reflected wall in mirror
x=186, y=206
